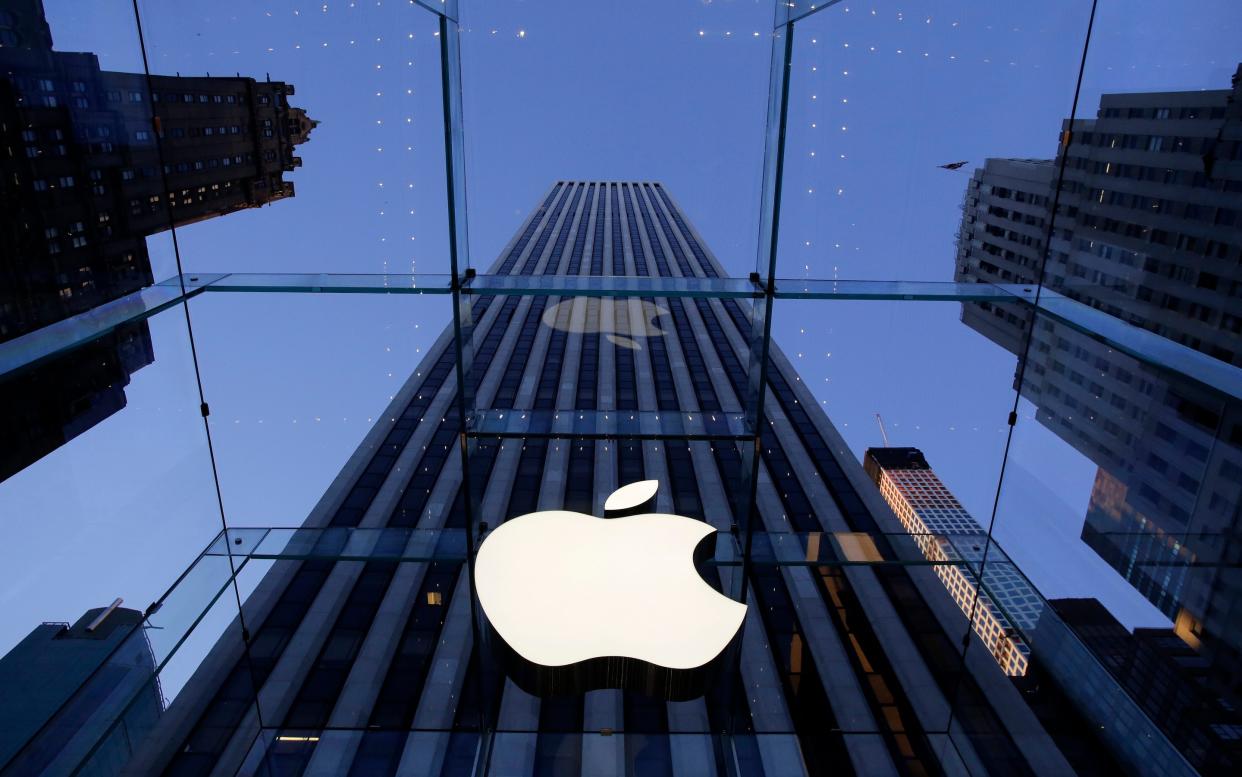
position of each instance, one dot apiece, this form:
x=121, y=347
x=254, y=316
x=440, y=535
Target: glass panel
x=316, y=283
x=302, y=395
x=703, y=71
x=904, y=439
x=105, y=457
x=888, y=101
x=328, y=117
x=1124, y=438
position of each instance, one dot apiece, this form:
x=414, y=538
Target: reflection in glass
x=98, y=161
x=1147, y=229
x=53, y=402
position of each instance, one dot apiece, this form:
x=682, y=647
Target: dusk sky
x=881, y=94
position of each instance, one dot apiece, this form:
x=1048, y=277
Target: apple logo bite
x=576, y=603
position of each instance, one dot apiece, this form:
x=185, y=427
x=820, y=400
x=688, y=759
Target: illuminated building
x=950, y=536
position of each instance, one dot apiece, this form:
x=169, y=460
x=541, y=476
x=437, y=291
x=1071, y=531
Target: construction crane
x=883, y=433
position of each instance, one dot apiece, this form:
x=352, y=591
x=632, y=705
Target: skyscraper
x=42, y=676
x=98, y=161
x=1149, y=223
x=371, y=667
x=1148, y=229
x=948, y=534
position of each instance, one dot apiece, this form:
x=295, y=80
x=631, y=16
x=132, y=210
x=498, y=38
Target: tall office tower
x=1168, y=679
x=948, y=534
x=41, y=677
x=83, y=183
x=1152, y=199
x=370, y=667
x=1150, y=221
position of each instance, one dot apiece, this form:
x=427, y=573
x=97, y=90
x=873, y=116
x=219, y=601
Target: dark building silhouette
x=66, y=686
x=1169, y=680
x=91, y=163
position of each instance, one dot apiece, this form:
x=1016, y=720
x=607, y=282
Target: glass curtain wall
x=966, y=425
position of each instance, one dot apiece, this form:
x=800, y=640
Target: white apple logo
x=580, y=602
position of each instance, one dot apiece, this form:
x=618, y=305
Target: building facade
x=42, y=676
x=1151, y=199
x=950, y=536
x=373, y=667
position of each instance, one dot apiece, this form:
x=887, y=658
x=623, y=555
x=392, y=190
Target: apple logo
x=575, y=603
x=621, y=334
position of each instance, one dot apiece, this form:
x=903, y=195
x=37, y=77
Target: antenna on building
x=883, y=433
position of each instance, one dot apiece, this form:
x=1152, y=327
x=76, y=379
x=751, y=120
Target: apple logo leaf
x=629, y=499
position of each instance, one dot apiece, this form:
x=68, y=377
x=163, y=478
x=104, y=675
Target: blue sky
x=881, y=94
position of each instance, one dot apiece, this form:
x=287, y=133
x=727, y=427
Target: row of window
x=1177, y=144
x=1180, y=241
x=50, y=85
x=1184, y=210
x=1196, y=178
x=1017, y=195
x=176, y=133
x=1204, y=112
x=152, y=203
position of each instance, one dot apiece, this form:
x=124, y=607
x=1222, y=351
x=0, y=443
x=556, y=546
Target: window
x=215, y=98
x=135, y=97
x=39, y=184
x=142, y=135
x=202, y=98
x=127, y=174
x=187, y=98
x=113, y=97
x=51, y=233
x=66, y=181
x=231, y=98
x=209, y=130
x=78, y=241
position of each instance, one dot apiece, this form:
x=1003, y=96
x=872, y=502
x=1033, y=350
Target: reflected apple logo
x=576, y=603
x=621, y=333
